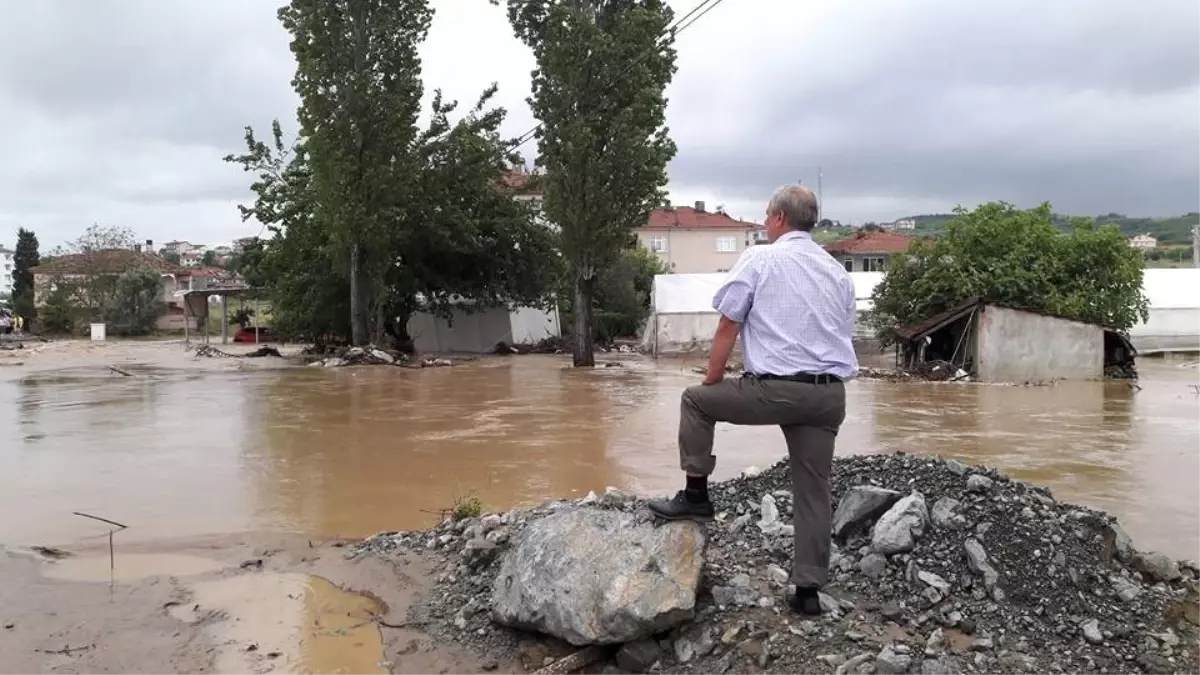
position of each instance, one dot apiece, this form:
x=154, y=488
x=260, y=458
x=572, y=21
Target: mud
x=216, y=605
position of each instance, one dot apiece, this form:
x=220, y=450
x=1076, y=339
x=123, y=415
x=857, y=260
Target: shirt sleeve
x=735, y=297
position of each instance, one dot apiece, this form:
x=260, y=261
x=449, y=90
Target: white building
x=6, y=270
x=682, y=318
x=1144, y=242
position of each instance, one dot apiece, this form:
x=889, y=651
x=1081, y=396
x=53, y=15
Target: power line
x=678, y=26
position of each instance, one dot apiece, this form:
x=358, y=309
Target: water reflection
x=349, y=452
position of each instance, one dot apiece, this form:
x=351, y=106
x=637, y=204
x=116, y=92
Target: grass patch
x=466, y=507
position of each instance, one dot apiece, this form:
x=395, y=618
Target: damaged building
x=995, y=342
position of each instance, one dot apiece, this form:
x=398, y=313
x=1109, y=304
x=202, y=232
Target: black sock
x=697, y=489
x=806, y=591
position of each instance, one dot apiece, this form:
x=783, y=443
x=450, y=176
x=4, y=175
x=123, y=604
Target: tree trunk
x=583, y=345
x=359, y=311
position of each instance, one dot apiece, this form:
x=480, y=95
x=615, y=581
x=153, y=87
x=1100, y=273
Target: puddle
x=129, y=566
x=286, y=623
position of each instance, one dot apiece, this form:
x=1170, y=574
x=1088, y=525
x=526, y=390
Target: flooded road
x=350, y=452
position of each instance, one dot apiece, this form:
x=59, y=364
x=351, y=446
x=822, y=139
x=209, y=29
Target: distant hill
x=1175, y=230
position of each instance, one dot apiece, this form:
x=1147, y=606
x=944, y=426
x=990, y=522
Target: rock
x=852, y=664
x=859, y=506
x=979, y=484
x=936, y=642
x=943, y=666
x=1119, y=541
x=777, y=575
x=334, y=362
x=1157, y=566
x=490, y=522
x=934, y=581
x=751, y=471
x=945, y=513
x=897, y=530
x=592, y=576
x=832, y=660
x=977, y=560
x=828, y=604
x=479, y=553
x=382, y=356
x=769, y=516
x=1126, y=590
x=684, y=651
x=739, y=523
x=590, y=498
x=639, y=656
x=1091, y=631
x=888, y=661
x=956, y=467
x=873, y=565
x=733, y=596
x=981, y=645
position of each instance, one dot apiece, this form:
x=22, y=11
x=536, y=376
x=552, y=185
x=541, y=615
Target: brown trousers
x=810, y=415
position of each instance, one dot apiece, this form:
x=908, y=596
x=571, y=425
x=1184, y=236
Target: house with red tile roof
x=692, y=239
x=869, y=250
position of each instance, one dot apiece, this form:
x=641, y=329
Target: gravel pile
x=939, y=567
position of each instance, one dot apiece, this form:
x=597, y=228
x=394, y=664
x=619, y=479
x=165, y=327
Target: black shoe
x=806, y=601
x=681, y=508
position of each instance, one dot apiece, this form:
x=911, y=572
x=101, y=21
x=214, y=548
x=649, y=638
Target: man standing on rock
x=793, y=305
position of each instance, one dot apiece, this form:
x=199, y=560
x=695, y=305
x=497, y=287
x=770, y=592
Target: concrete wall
x=693, y=251
x=479, y=332
x=530, y=325
x=1016, y=346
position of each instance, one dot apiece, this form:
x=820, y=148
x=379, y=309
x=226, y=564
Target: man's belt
x=806, y=378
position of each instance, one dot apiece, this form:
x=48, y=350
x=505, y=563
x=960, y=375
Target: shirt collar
x=794, y=235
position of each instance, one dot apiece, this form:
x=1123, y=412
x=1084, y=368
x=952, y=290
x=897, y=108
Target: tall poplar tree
x=598, y=91
x=358, y=74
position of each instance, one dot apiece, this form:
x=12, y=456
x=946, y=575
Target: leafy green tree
x=430, y=205
x=1018, y=257
x=209, y=259
x=58, y=316
x=25, y=258
x=136, y=303
x=91, y=266
x=598, y=91
x=622, y=299
x=171, y=257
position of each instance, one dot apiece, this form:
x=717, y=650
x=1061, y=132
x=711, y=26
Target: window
x=658, y=243
x=727, y=244
x=873, y=264
x=848, y=263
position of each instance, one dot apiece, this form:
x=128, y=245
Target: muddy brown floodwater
x=350, y=452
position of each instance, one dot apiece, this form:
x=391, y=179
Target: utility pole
x=820, y=198
x=1196, y=246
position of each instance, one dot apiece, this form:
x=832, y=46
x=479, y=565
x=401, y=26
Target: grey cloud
x=120, y=111
x=1093, y=108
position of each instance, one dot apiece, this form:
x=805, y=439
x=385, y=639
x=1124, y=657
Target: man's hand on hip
x=713, y=376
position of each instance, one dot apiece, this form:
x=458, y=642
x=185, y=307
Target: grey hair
x=798, y=205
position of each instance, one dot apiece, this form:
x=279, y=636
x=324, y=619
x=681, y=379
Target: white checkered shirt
x=796, y=307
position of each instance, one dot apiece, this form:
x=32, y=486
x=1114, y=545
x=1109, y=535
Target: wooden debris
x=575, y=662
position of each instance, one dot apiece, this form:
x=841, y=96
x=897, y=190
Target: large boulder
x=593, y=576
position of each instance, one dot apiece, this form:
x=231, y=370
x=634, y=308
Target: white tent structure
x=682, y=318
x=1174, y=323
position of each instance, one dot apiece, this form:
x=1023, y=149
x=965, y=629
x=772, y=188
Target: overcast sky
x=119, y=111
